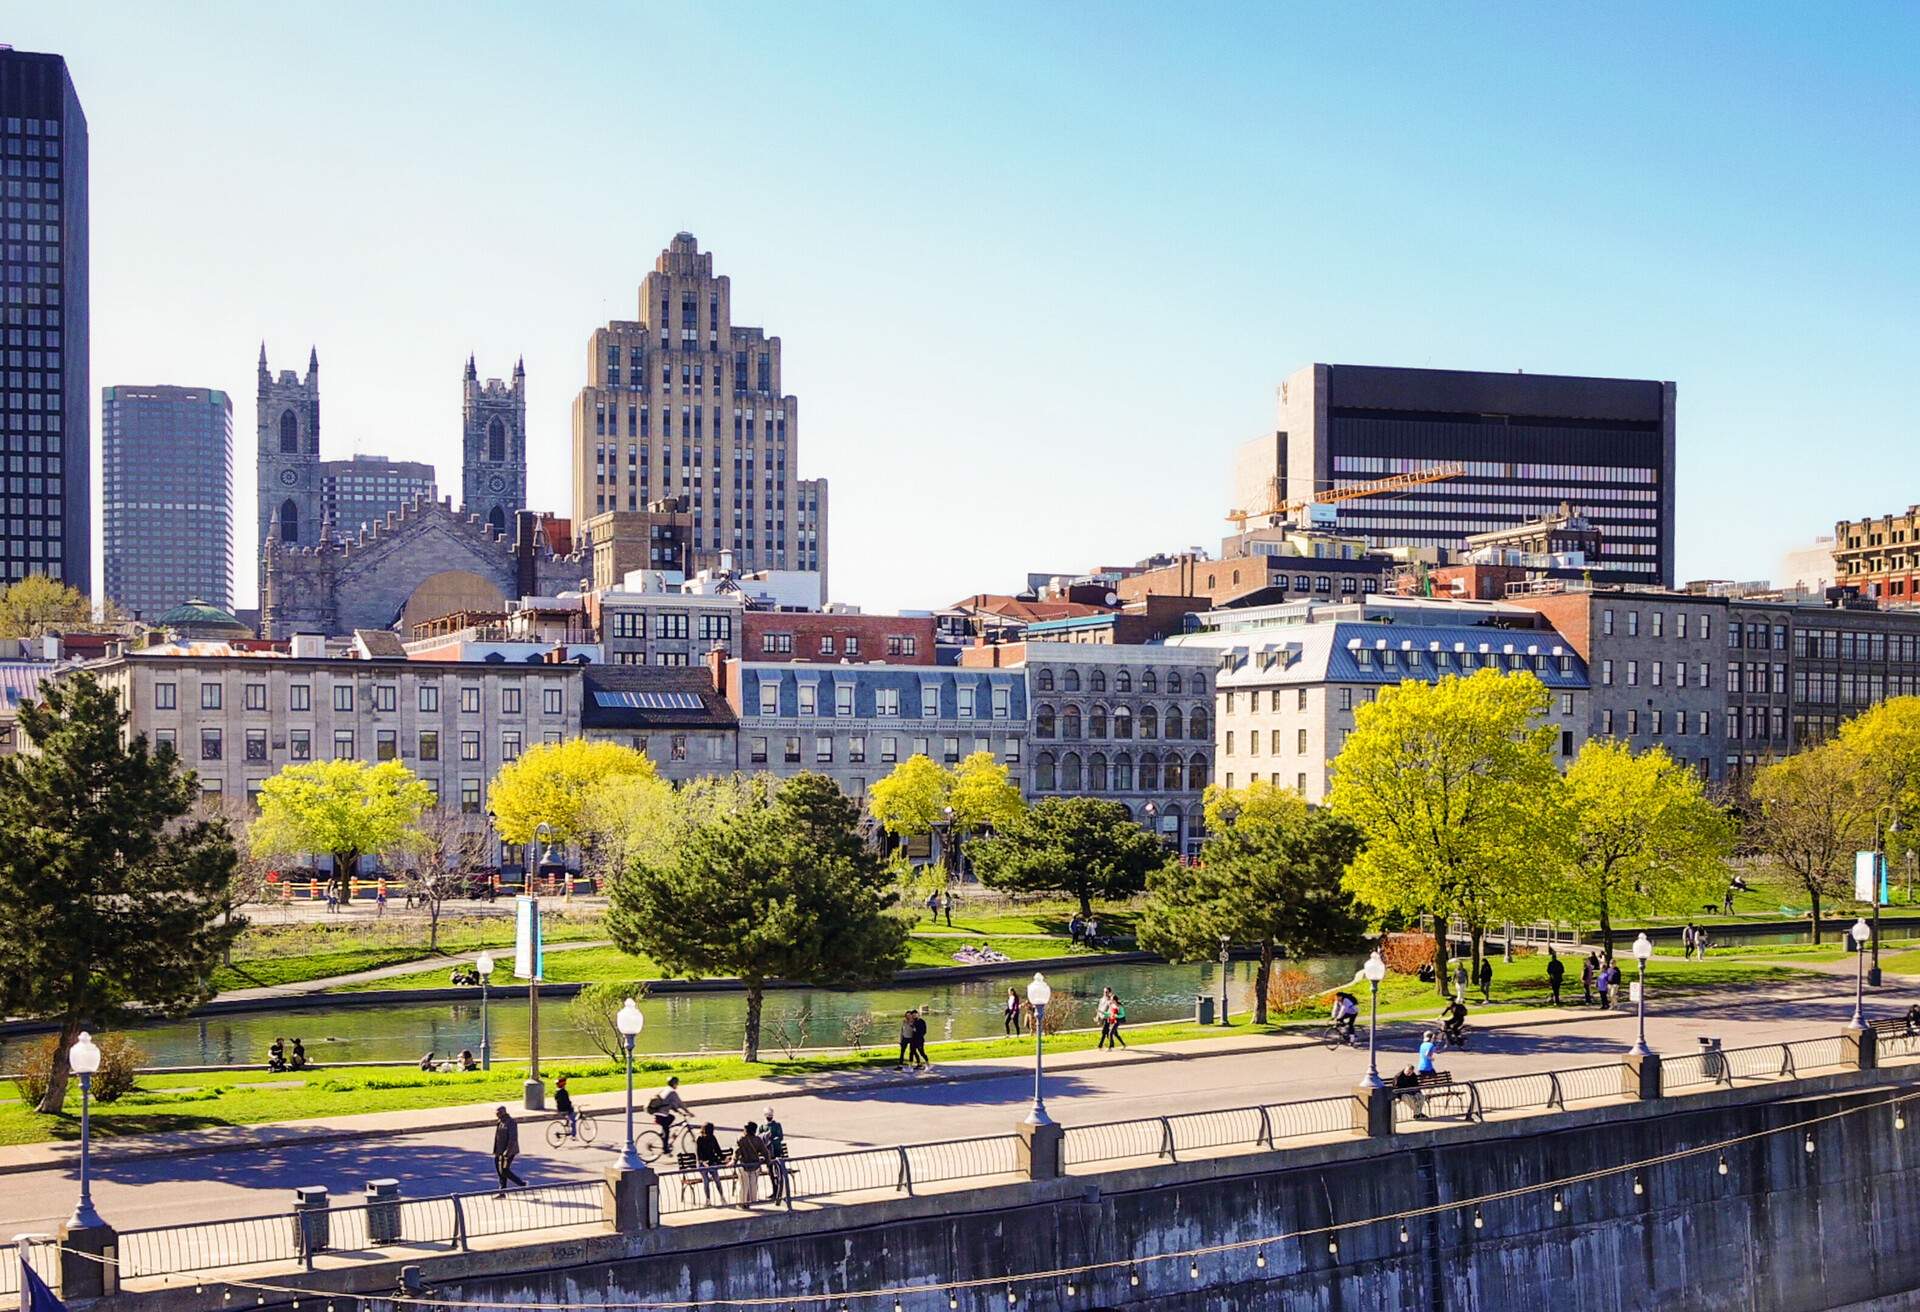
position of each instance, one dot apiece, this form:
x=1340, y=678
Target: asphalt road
x=163, y=1191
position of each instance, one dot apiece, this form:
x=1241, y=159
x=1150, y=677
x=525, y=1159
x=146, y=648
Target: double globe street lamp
x=630, y=1022
x=83, y=1059
x=1375, y=970
x=1039, y=993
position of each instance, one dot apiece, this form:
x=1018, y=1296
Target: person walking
x=917, y=1047
x=1103, y=1016
x=946, y=906
x=906, y=1039
x=1486, y=979
x=1686, y=941
x=774, y=1136
x=380, y=902
x=1075, y=928
x=1589, y=972
x=1460, y=978
x=749, y=1155
x=1608, y=975
x=1556, y=971
x=506, y=1147
x=933, y=905
x=1010, y=1014
x=1702, y=941
x=708, y=1159
x=1116, y=1015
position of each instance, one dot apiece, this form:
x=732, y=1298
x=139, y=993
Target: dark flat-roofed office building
x=1529, y=442
x=166, y=456
x=45, y=513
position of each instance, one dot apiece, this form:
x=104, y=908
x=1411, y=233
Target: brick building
x=1880, y=557
x=828, y=637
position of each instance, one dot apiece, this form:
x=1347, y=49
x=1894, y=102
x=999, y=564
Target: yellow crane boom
x=1352, y=491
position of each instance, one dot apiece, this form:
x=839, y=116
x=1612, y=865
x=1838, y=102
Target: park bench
x=691, y=1179
x=1437, y=1095
x=1895, y=1036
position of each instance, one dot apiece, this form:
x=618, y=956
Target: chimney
x=308, y=647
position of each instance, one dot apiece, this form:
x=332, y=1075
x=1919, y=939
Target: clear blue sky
x=1037, y=268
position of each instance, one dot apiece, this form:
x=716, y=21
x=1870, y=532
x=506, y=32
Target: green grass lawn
x=292, y=954
x=1042, y=918
x=185, y=1102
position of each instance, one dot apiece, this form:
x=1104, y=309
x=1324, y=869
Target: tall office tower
x=166, y=458
x=493, y=482
x=682, y=402
x=1528, y=442
x=356, y=492
x=47, y=524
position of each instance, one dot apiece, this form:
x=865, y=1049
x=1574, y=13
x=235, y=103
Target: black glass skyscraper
x=166, y=480
x=45, y=515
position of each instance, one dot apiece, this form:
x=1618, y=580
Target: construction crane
x=1347, y=492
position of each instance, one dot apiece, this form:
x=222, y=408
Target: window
x=1229, y=747
x=826, y=645
x=1346, y=699
x=1633, y=673
x=791, y=753
x=809, y=698
x=1043, y=680
x=843, y=699
x=1122, y=681
x=429, y=744
x=1654, y=668
x=470, y=699
x=209, y=696
x=1300, y=741
x=469, y=744
x=852, y=645
x=1043, y=722
x=1299, y=699
x=950, y=749
x=1680, y=624
x=386, y=744
x=209, y=744
x=1606, y=722
x=342, y=696
x=1654, y=722
x=256, y=695
x=1070, y=681
x=1011, y=752
x=1606, y=622
x=1679, y=674
x=510, y=745
x=1633, y=624
x=299, y=696
x=1566, y=703
x=300, y=744
x=769, y=699
x=510, y=699
x=163, y=696
x=886, y=701
x=889, y=749
x=1001, y=703
x=964, y=702
x=343, y=744
x=1656, y=617
x=1633, y=723
x=930, y=702
x=256, y=744
x=428, y=696
x=470, y=796
x=778, y=644
x=902, y=644
x=857, y=750
x=1606, y=673
x=553, y=700
x=757, y=751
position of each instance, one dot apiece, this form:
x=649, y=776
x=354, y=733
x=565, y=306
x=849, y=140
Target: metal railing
x=1899, y=1043
x=209, y=1245
x=1167, y=1137
x=898, y=1169
x=1812, y=1054
x=42, y=1254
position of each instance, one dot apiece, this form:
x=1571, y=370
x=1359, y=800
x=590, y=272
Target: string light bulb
x=1479, y=1223
x=1133, y=1277
x=1013, y=1299
x=953, y=1300
x=1193, y=1269
x=1070, y=1289
x=1260, y=1259
x=1722, y=1168
x=1809, y=1143
x=1559, y=1203
x=1639, y=1185
x=1403, y=1232
x=1333, y=1246
x=896, y=1305
x=1899, y=1118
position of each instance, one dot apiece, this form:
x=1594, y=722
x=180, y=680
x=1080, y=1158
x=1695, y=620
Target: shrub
x=1289, y=989
x=1406, y=953
x=857, y=1030
x=1063, y=1013
x=120, y=1062
x=592, y=1011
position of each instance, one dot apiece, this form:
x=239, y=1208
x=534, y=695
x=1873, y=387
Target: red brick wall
x=809, y=627
x=1571, y=613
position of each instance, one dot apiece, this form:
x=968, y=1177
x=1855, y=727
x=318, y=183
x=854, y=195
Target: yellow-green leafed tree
x=37, y=604
x=1812, y=812
x=912, y=799
x=1644, y=837
x=345, y=809
x=554, y=783
x=982, y=794
x=1886, y=741
x=1453, y=787
x=636, y=822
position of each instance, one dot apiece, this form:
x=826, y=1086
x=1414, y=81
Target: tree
x=37, y=604
x=111, y=889
x=917, y=797
x=1815, y=810
x=1644, y=837
x=553, y=784
x=635, y=820
x=1269, y=873
x=442, y=863
x=1080, y=846
x=779, y=887
x=346, y=809
x=1445, y=782
x=249, y=881
x=982, y=797
x=593, y=1011
x=912, y=798
x=1886, y=740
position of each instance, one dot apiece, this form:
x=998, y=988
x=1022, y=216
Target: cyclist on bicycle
x=1456, y=1022
x=1346, y=1014
x=663, y=1106
x=563, y=1104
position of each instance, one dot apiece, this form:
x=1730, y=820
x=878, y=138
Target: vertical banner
x=526, y=938
x=1869, y=878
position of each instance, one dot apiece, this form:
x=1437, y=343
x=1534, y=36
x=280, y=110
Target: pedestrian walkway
x=305, y=987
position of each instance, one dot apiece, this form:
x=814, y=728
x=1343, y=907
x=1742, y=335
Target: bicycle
x=585, y=1130
x=652, y=1143
x=1338, y=1035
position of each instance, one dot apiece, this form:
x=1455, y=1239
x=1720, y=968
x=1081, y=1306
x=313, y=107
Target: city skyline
x=962, y=234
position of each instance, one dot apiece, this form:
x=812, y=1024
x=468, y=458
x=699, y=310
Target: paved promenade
x=254, y=1169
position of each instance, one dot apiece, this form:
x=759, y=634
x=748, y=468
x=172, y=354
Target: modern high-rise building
x=361, y=490
x=166, y=457
x=1527, y=442
x=46, y=521
x=682, y=402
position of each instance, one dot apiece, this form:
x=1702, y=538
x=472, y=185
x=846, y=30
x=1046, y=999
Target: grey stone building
x=45, y=399
x=287, y=462
x=493, y=442
x=673, y=716
x=166, y=456
x=667, y=629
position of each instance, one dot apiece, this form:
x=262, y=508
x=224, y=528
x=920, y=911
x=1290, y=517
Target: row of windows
x=1761, y=723
x=1151, y=724
x=1656, y=673
x=781, y=644
x=471, y=792
x=1701, y=723
x=1851, y=688
x=1416, y=659
x=886, y=701
x=1701, y=624
x=386, y=744
x=1043, y=680
x=855, y=748
x=1500, y=469
x=1096, y=775
x=669, y=624
x=380, y=697
x=1846, y=645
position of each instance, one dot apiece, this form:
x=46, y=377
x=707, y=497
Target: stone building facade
x=1880, y=556
x=287, y=463
x=493, y=444
x=681, y=401
x=666, y=630
x=674, y=717
x=831, y=637
x=420, y=561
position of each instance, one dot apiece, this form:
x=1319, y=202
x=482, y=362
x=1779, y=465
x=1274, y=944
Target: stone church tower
x=493, y=481
x=289, y=455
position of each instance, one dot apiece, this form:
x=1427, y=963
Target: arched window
x=1171, y=773
x=1122, y=681
x=498, y=518
x=1070, y=681
x=1123, y=772
x=289, y=432
x=1043, y=777
x=1196, y=771
x=1197, y=723
x=1043, y=722
x=1070, y=722
x=1122, y=722
x=496, y=441
x=1148, y=683
x=1149, y=722
x=1097, y=722
x=1097, y=681
x=1171, y=729
x=1070, y=772
x=1097, y=773
x=289, y=521
x=1199, y=685
x=1173, y=681
x=1043, y=680
x=1149, y=773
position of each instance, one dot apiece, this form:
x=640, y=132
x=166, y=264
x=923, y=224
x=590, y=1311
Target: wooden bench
x=691, y=1179
x=1437, y=1095
x=1897, y=1027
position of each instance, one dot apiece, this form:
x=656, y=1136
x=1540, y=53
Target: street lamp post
x=1879, y=874
x=483, y=967
x=534, y=1092
x=1375, y=970
x=1039, y=994
x=1226, y=959
x=1642, y=950
x=1861, y=933
x=630, y=1022
x=83, y=1059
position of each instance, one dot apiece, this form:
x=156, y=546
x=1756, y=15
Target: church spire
x=313, y=361
x=263, y=358
x=472, y=372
